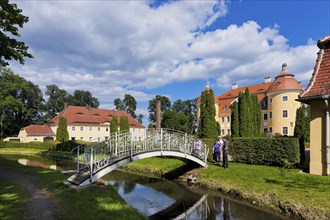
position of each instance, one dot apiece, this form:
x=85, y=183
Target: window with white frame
x=73, y=128
x=223, y=131
x=285, y=98
x=285, y=130
x=270, y=129
x=228, y=131
x=285, y=113
x=98, y=129
x=270, y=114
x=81, y=128
x=270, y=101
x=106, y=129
x=228, y=118
x=90, y=138
x=91, y=128
x=223, y=119
x=81, y=138
x=265, y=116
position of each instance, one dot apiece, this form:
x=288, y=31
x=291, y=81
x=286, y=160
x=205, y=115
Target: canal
x=164, y=199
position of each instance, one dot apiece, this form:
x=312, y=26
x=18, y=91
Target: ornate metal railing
x=119, y=145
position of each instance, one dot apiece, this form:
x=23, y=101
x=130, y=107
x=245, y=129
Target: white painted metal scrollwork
x=121, y=145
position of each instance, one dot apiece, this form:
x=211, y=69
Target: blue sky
x=171, y=48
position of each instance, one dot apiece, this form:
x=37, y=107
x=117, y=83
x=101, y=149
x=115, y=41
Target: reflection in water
x=27, y=162
x=158, y=199
x=145, y=199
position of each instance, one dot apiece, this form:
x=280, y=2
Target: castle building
x=83, y=123
x=277, y=99
x=317, y=95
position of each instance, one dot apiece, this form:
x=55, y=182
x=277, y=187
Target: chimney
x=234, y=86
x=267, y=79
x=65, y=105
x=158, y=110
x=284, y=65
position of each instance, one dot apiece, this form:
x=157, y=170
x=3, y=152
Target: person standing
x=198, y=145
x=225, y=151
x=216, y=152
x=220, y=142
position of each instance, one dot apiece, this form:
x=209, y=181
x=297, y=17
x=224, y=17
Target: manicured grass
x=285, y=190
x=12, y=201
x=95, y=202
x=25, y=151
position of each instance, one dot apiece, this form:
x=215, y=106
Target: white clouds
x=112, y=48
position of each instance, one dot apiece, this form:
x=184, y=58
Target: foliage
x=301, y=130
x=62, y=133
x=208, y=127
x=264, y=151
x=140, y=118
x=114, y=124
x=124, y=125
x=169, y=119
x=165, y=104
x=128, y=104
x=83, y=98
x=150, y=126
x=66, y=146
x=188, y=109
x=20, y=102
x=234, y=125
x=11, y=20
x=58, y=97
x=249, y=114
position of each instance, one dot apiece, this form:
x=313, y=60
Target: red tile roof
x=79, y=114
x=42, y=130
x=319, y=84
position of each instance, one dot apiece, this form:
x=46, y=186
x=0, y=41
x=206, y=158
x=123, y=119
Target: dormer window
x=79, y=113
x=226, y=107
x=278, y=84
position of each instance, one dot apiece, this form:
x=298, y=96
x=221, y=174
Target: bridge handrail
x=121, y=144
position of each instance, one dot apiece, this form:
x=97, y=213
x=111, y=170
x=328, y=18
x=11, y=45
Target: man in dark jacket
x=225, y=152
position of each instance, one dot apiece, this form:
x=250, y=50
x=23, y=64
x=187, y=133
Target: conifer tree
x=257, y=114
x=243, y=113
x=234, y=120
x=124, y=125
x=208, y=127
x=300, y=131
x=62, y=133
x=114, y=124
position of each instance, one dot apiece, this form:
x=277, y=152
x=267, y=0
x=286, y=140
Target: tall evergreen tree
x=114, y=124
x=300, y=131
x=124, y=125
x=208, y=127
x=243, y=113
x=62, y=133
x=234, y=126
x=257, y=116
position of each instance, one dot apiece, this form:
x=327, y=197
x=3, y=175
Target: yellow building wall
x=277, y=122
x=91, y=133
x=317, y=139
x=25, y=138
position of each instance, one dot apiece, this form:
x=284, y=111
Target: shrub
x=265, y=151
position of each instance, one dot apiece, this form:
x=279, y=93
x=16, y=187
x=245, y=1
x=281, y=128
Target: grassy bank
x=284, y=190
x=96, y=202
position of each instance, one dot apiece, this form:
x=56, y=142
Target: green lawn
x=95, y=202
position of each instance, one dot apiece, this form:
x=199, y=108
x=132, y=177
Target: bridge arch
x=101, y=158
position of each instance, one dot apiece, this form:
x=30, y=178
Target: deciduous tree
x=11, y=20
x=20, y=102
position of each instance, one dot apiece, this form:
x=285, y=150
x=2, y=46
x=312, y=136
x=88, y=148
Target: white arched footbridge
x=99, y=159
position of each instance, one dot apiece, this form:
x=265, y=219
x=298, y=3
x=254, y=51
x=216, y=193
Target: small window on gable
x=285, y=98
x=270, y=101
x=285, y=114
x=263, y=103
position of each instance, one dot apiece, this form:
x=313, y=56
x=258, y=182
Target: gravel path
x=40, y=205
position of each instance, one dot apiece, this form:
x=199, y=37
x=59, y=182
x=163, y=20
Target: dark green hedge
x=265, y=151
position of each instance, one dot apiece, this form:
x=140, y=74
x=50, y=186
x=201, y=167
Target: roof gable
x=38, y=130
x=80, y=114
x=319, y=84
